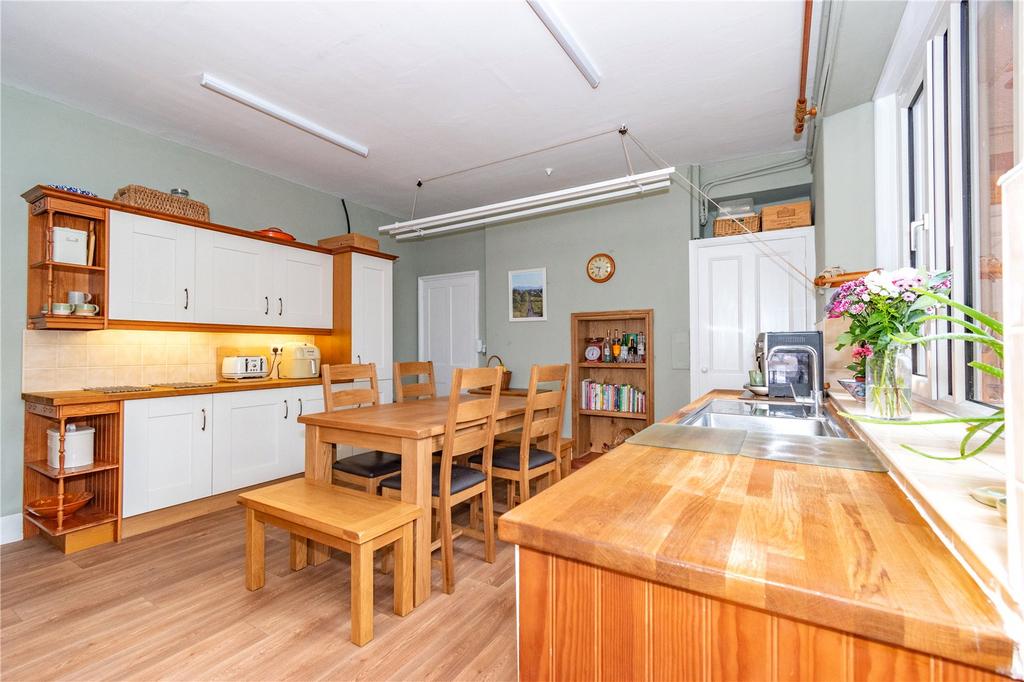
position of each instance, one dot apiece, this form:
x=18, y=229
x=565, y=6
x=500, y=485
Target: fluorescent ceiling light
x=566, y=39
x=230, y=91
x=549, y=202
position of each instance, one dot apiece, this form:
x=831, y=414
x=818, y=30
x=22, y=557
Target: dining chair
x=469, y=427
x=525, y=462
x=416, y=389
x=367, y=469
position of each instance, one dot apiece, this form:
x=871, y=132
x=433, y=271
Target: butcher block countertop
x=83, y=397
x=837, y=548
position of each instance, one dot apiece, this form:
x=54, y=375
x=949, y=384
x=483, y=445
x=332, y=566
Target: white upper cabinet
x=152, y=269
x=371, y=313
x=234, y=280
x=302, y=284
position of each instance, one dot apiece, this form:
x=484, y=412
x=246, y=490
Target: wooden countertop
x=837, y=548
x=82, y=397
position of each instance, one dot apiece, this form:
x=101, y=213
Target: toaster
x=244, y=367
x=299, y=361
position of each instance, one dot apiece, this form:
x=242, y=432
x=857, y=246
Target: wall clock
x=600, y=267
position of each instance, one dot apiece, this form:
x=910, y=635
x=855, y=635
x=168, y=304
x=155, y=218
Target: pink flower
x=857, y=308
x=909, y=295
x=864, y=351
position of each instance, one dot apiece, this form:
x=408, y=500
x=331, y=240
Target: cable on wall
x=348, y=223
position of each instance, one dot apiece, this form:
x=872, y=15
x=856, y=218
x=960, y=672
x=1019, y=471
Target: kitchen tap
x=816, y=383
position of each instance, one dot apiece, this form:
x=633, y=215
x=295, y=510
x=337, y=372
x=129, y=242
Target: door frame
x=420, y=353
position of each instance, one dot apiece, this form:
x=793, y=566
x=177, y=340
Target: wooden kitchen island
x=661, y=564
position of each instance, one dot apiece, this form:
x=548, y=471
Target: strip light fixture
x=263, y=106
x=538, y=204
x=566, y=40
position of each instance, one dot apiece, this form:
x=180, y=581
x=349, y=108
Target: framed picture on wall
x=528, y=295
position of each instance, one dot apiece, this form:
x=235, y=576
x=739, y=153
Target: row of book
x=612, y=397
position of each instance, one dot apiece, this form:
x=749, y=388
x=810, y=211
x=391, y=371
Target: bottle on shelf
x=616, y=347
x=641, y=348
x=632, y=348
x=606, y=351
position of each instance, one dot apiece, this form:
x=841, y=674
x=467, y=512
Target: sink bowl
x=763, y=417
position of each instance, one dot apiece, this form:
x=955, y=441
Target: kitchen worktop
x=83, y=397
x=837, y=548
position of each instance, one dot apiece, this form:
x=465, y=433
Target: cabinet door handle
x=280, y=306
x=204, y=419
x=359, y=359
x=286, y=409
x=186, y=298
x=300, y=408
x=266, y=300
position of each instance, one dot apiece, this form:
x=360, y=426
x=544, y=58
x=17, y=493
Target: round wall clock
x=600, y=267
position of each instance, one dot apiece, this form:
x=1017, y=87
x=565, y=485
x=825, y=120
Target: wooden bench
x=351, y=521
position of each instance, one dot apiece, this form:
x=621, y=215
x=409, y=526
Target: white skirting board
x=10, y=528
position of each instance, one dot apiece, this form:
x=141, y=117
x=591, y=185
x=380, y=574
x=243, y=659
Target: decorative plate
x=46, y=507
x=276, y=233
x=74, y=190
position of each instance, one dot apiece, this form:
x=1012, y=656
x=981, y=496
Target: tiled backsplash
x=68, y=360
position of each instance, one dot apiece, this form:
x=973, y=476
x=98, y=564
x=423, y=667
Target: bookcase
x=597, y=431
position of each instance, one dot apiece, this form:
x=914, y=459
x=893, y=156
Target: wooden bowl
x=276, y=233
x=46, y=507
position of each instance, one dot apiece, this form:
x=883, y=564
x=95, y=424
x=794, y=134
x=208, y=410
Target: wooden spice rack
x=594, y=431
x=50, y=281
x=100, y=520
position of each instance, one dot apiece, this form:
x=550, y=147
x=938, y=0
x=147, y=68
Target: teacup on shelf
x=61, y=309
x=86, y=309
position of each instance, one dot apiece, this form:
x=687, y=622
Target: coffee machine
x=789, y=370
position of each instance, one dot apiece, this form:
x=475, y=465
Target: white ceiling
x=429, y=87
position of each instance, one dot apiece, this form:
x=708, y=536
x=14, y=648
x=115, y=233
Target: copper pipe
x=801, y=111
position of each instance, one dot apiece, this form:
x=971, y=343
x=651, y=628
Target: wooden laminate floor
x=171, y=604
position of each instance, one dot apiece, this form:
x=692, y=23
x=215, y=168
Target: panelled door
x=371, y=313
x=449, y=324
x=152, y=269
x=303, y=293
x=235, y=280
x=250, y=441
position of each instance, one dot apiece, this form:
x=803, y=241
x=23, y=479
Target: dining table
x=414, y=430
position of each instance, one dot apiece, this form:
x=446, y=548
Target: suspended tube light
x=538, y=204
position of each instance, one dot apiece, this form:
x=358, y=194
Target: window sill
x=975, y=533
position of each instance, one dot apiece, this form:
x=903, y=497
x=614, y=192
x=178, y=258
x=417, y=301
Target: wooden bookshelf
x=595, y=431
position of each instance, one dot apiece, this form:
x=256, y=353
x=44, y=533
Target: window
x=957, y=126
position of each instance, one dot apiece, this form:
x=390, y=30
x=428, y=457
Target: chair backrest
x=470, y=423
x=545, y=407
x=416, y=389
x=334, y=400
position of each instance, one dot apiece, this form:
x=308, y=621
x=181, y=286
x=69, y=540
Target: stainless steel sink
x=779, y=418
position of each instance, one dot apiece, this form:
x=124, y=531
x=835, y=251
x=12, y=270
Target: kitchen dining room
x=511, y=340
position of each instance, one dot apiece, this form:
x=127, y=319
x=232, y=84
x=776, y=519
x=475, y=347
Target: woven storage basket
x=506, y=375
x=725, y=227
x=162, y=202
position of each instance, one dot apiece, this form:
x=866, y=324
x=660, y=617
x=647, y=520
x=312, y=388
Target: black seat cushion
x=462, y=478
x=371, y=464
x=508, y=458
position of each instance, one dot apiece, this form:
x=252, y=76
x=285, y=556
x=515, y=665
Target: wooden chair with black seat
x=537, y=453
x=417, y=389
x=367, y=469
x=468, y=428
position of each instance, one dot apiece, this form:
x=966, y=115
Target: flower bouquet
x=884, y=307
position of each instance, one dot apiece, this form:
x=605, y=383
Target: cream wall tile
x=127, y=355
x=199, y=355
x=71, y=379
x=72, y=356
x=102, y=337
x=128, y=375
x=36, y=380
x=99, y=376
x=154, y=374
x=74, y=338
x=41, y=337
x=176, y=355
x=201, y=373
x=100, y=356
x=200, y=338
x=153, y=355
x=39, y=357
x=176, y=373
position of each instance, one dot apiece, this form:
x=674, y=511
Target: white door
x=303, y=291
x=152, y=269
x=167, y=452
x=371, y=313
x=738, y=290
x=449, y=324
x=234, y=280
x=301, y=400
x=252, y=428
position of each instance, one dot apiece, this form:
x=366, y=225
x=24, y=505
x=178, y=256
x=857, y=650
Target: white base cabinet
x=168, y=450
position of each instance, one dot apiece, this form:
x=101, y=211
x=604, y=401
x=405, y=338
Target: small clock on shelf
x=600, y=267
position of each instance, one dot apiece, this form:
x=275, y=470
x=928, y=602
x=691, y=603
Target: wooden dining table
x=414, y=430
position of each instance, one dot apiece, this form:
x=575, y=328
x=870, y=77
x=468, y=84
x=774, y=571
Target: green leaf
x=992, y=419
x=845, y=339
x=995, y=344
x=995, y=325
x=988, y=441
x=963, y=323
x=986, y=368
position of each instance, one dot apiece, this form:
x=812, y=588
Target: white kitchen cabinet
x=738, y=289
x=234, y=280
x=302, y=294
x=251, y=441
x=301, y=400
x=371, y=313
x=168, y=449
x=152, y=269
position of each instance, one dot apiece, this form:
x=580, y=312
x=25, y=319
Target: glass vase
x=888, y=383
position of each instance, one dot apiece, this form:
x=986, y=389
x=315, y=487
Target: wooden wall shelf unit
x=595, y=431
x=100, y=520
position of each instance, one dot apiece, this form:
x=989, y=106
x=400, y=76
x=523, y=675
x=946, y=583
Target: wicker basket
x=506, y=374
x=725, y=227
x=162, y=202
